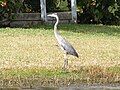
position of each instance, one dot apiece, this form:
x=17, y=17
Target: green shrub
x=8, y=7
x=89, y=11
x=34, y=5
x=99, y=11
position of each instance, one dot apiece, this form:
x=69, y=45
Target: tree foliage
x=6, y=8
x=89, y=11
x=99, y=11
x=34, y=5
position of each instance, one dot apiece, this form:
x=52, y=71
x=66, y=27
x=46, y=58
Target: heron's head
x=52, y=15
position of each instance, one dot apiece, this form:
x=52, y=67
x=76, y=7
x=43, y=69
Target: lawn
x=31, y=56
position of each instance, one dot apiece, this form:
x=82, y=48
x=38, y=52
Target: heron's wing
x=68, y=47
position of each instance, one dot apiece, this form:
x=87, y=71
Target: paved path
x=68, y=88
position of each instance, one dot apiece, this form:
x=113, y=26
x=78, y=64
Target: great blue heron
x=63, y=43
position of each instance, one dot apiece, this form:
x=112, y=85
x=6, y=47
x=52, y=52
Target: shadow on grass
x=86, y=29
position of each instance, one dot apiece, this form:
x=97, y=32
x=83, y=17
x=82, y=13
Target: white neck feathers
x=57, y=20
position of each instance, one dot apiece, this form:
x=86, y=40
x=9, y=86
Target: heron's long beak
x=49, y=15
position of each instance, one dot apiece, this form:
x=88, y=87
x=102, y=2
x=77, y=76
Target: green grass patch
x=31, y=55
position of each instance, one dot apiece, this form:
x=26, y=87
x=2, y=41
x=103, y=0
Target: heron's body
x=63, y=43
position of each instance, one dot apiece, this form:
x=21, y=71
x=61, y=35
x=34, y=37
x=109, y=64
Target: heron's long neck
x=55, y=26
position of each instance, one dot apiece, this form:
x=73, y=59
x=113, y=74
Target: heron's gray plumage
x=66, y=46
x=63, y=43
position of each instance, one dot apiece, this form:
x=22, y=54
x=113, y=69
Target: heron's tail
x=76, y=54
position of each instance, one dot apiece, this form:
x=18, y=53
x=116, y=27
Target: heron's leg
x=65, y=61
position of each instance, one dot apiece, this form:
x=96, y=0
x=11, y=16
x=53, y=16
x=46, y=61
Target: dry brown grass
x=37, y=48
